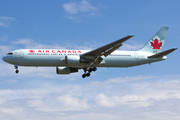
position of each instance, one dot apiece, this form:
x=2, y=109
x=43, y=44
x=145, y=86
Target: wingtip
x=130, y=35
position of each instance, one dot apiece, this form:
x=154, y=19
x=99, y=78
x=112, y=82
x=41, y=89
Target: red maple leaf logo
x=31, y=51
x=156, y=44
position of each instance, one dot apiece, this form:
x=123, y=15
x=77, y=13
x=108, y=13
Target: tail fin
x=156, y=43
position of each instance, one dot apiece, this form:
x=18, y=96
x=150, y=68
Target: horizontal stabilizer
x=161, y=54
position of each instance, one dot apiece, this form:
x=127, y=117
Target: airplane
x=70, y=61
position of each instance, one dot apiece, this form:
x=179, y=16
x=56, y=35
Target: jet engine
x=65, y=70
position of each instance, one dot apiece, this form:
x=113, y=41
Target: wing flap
x=161, y=54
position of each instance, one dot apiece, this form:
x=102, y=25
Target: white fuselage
x=54, y=57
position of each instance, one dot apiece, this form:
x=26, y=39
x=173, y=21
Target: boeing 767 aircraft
x=70, y=61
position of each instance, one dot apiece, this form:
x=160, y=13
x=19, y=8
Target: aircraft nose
x=5, y=58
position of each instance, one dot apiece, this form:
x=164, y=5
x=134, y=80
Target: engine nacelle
x=65, y=70
x=72, y=60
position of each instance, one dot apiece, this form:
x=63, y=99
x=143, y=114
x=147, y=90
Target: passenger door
x=21, y=54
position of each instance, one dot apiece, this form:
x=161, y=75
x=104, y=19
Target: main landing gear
x=89, y=72
x=16, y=67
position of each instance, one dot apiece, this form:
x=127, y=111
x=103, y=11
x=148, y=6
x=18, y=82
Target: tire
x=94, y=69
x=84, y=75
x=90, y=69
x=17, y=71
x=88, y=74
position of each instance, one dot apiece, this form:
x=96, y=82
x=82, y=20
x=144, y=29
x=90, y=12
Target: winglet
x=161, y=54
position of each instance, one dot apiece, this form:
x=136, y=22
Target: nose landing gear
x=16, y=67
x=89, y=72
x=17, y=71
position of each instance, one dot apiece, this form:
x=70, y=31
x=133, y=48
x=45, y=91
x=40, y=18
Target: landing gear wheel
x=90, y=70
x=16, y=67
x=17, y=71
x=84, y=75
x=94, y=68
x=88, y=74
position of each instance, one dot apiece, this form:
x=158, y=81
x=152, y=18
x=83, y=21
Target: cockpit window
x=10, y=53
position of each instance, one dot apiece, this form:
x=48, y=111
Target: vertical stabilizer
x=156, y=43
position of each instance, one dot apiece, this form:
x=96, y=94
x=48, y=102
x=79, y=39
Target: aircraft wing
x=94, y=56
x=161, y=54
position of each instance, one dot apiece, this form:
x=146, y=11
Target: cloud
x=131, y=47
x=30, y=43
x=4, y=49
x=11, y=111
x=127, y=79
x=25, y=41
x=6, y=21
x=71, y=8
x=105, y=101
x=68, y=101
x=77, y=10
x=72, y=103
x=134, y=101
x=172, y=85
x=6, y=69
x=81, y=7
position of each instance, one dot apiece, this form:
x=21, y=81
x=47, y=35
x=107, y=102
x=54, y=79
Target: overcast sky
x=144, y=92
